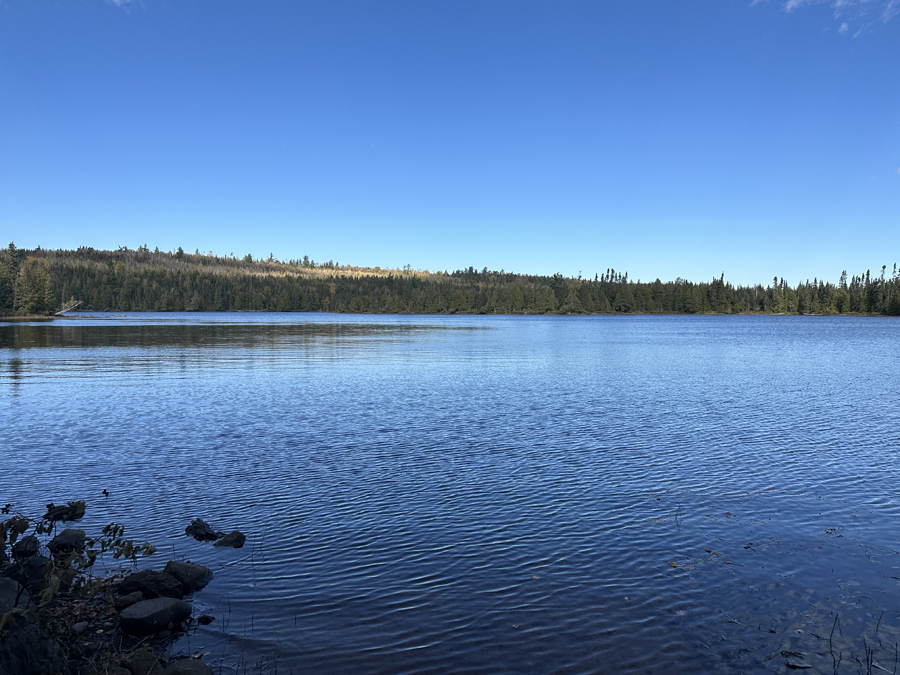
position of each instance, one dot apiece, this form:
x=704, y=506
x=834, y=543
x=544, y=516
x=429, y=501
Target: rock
x=64, y=512
x=93, y=670
x=152, y=584
x=26, y=547
x=80, y=627
x=67, y=541
x=12, y=595
x=30, y=649
x=188, y=667
x=149, y=617
x=126, y=601
x=234, y=539
x=144, y=663
x=32, y=573
x=201, y=531
x=192, y=577
x=205, y=619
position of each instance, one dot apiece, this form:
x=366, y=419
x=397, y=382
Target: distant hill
x=38, y=282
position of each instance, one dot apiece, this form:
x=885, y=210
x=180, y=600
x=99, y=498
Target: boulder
x=31, y=573
x=128, y=600
x=152, y=584
x=90, y=669
x=30, y=649
x=144, y=663
x=201, y=531
x=192, y=577
x=67, y=541
x=188, y=667
x=26, y=547
x=234, y=539
x=12, y=595
x=149, y=617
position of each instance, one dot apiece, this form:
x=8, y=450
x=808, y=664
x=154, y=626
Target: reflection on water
x=487, y=494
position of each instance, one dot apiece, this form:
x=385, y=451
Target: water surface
x=486, y=494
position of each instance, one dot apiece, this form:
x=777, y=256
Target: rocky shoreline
x=55, y=621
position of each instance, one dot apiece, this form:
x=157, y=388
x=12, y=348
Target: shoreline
x=138, y=313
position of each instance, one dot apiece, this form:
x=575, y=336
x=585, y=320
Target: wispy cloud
x=126, y=6
x=890, y=10
x=862, y=13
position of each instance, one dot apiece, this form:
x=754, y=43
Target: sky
x=667, y=139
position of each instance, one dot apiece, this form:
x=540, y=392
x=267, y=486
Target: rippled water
x=487, y=494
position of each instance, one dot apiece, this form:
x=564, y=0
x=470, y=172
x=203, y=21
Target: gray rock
x=234, y=539
x=80, y=627
x=31, y=573
x=12, y=595
x=92, y=670
x=67, y=541
x=149, y=617
x=192, y=577
x=188, y=667
x=152, y=584
x=125, y=601
x=26, y=547
x=144, y=663
x=29, y=649
x=201, y=531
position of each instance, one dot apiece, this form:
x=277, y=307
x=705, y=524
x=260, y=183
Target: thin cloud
x=865, y=12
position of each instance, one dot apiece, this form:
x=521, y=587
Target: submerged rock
x=192, y=577
x=152, y=584
x=234, y=539
x=201, y=531
x=148, y=617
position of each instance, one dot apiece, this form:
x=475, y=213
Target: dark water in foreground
x=487, y=494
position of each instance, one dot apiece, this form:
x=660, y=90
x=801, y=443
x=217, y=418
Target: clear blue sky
x=657, y=137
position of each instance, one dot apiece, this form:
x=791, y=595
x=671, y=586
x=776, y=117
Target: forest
x=40, y=281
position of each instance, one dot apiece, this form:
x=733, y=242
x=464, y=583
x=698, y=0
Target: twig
x=730, y=620
x=835, y=662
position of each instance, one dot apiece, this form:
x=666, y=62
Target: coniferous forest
x=40, y=281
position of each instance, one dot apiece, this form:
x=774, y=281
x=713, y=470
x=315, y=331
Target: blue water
x=486, y=494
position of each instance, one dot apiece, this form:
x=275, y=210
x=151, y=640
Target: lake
x=466, y=494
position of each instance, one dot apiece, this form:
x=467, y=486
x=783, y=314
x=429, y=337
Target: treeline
x=40, y=281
